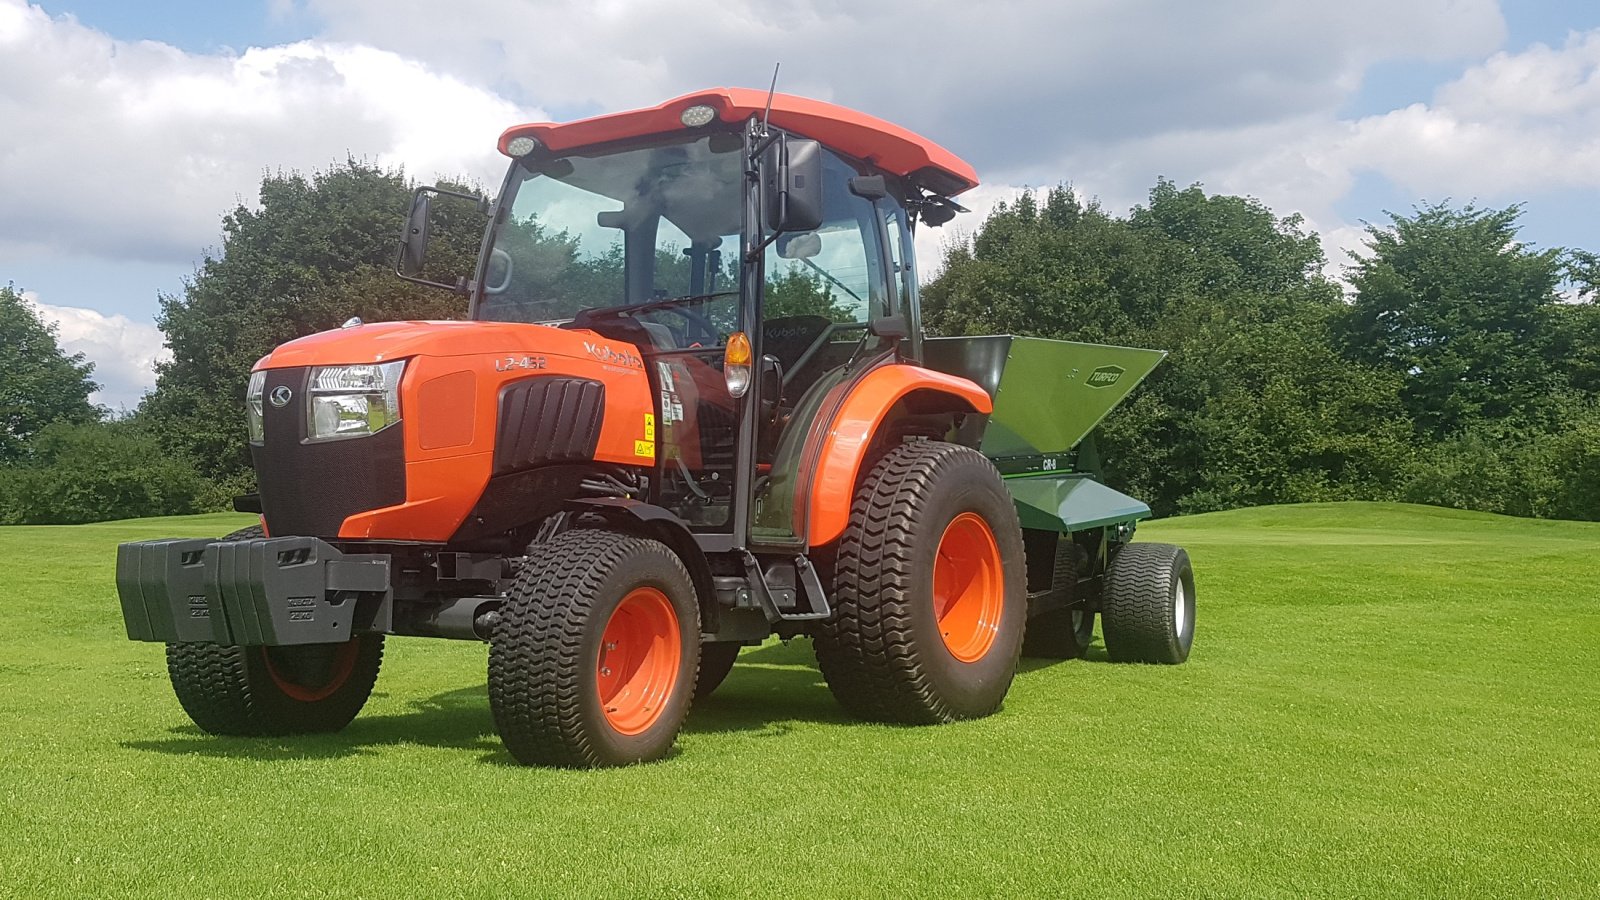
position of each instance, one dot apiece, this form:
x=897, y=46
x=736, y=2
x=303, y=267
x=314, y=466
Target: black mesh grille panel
x=547, y=419
x=309, y=489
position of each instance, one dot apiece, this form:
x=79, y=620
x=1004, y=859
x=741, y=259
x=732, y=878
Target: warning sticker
x=649, y=426
x=644, y=448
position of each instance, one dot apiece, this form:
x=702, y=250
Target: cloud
x=1007, y=84
x=134, y=150
x=124, y=352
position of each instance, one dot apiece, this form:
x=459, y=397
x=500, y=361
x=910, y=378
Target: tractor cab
x=753, y=267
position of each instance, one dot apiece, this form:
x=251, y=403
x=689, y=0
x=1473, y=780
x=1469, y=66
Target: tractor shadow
x=770, y=690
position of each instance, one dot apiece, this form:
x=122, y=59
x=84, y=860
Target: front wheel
x=593, y=660
x=272, y=691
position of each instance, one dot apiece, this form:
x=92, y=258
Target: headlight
x=252, y=404
x=353, y=401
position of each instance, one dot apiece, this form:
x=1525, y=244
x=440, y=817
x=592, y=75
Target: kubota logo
x=1105, y=376
x=604, y=353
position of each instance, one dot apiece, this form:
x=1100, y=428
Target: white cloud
x=1007, y=84
x=134, y=150
x=1243, y=95
x=124, y=352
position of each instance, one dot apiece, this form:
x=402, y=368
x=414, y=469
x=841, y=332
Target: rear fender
x=871, y=403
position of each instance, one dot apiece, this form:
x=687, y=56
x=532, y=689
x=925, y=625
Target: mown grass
x=1382, y=700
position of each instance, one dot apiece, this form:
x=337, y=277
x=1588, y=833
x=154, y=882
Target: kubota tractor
x=692, y=406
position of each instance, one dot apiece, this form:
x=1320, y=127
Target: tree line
x=1454, y=366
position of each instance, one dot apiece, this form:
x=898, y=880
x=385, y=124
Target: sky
x=127, y=130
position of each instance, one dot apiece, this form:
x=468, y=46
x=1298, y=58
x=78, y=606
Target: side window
x=894, y=224
x=835, y=271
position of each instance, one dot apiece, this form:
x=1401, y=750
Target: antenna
x=767, y=116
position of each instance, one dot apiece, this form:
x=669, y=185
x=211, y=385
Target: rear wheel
x=1061, y=633
x=593, y=660
x=929, y=589
x=269, y=691
x=1147, y=609
x=716, y=661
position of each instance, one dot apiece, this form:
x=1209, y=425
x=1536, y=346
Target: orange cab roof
x=865, y=137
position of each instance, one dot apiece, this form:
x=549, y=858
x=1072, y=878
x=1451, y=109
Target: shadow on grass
x=768, y=691
x=771, y=690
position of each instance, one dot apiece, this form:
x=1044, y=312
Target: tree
x=318, y=251
x=1252, y=405
x=1452, y=302
x=39, y=383
x=93, y=472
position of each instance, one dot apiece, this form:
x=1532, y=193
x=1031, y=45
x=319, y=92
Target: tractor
x=692, y=405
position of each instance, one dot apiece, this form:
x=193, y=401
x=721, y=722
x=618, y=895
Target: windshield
x=619, y=228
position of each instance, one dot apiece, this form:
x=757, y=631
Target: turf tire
x=881, y=652
x=253, y=691
x=1144, y=585
x=716, y=661
x=1061, y=633
x=545, y=650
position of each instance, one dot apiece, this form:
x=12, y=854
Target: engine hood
x=384, y=341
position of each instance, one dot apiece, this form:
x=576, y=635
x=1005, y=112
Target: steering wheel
x=695, y=318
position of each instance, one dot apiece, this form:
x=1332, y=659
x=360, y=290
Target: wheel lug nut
x=605, y=670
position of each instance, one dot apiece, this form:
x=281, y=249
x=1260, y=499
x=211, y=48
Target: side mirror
x=890, y=328
x=411, y=258
x=792, y=185
x=414, y=240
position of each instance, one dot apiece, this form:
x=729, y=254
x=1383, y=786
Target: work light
x=698, y=116
x=521, y=146
x=252, y=404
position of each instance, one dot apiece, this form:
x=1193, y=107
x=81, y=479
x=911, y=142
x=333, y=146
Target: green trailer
x=1048, y=398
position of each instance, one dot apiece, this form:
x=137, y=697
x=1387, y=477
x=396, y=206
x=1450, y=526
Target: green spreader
x=1048, y=398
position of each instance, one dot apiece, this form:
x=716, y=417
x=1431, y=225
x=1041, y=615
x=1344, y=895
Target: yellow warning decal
x=650, y=427
x=644, y=448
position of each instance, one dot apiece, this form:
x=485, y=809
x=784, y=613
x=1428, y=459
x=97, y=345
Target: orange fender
x=833, y=485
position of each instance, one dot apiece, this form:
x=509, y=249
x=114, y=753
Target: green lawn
x=1382, y=700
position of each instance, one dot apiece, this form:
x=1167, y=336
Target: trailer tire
x=716, y=661
x=1061, y=633
x=593, y=660
x=1148, y=606
x=930, y=590
x=273, y=691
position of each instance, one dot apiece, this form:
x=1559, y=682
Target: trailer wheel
x=593, y=660
x=930, y=590
x=271, y=691
x=1147, y=609
x=716, y=661
x=1061, y=633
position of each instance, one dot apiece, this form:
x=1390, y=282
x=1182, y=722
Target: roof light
x=698, y=116
x=519, y=147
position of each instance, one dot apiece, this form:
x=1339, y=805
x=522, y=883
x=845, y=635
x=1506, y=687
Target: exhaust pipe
x=458, y=618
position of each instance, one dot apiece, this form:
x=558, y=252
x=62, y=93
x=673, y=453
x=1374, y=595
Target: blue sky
x=1337, y=112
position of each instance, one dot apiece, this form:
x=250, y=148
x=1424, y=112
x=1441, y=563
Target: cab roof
x=888, y=146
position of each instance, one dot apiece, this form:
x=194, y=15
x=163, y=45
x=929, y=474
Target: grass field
x=1382, y=700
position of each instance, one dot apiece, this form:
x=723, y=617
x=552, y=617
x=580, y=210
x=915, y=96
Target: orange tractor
x=692, y=406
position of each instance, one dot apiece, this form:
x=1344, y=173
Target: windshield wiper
x=829, y=275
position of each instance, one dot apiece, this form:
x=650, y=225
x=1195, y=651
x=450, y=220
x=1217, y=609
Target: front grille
x=310, y=489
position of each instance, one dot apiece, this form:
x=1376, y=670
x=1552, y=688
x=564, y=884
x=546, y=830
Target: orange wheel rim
x=968, y=587
x=344, y=662
x=639, y=655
